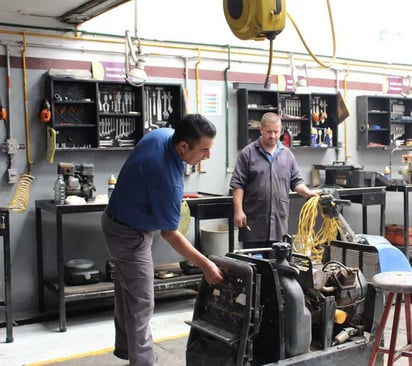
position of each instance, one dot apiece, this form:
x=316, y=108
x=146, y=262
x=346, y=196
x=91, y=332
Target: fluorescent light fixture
x=89, y=10
x=135, y=76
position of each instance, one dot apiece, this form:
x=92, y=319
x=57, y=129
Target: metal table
x=206, y=207
x=212, y=207
x=64, y=293
x=7, y=303
x=366, y=196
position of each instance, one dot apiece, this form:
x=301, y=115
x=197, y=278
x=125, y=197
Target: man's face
x=200, y=151
x=271, y=133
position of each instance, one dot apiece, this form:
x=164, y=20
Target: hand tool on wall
x=165, y=110
x=105, y=104
x=159, y=113
x=51, y=144
x=146, y=109
x=44, y=113
x=323, y=114
x=154, y=109
x=169, y=102
x=3, y=111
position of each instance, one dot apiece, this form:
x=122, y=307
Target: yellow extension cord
x=22, y=194
x=307, y=240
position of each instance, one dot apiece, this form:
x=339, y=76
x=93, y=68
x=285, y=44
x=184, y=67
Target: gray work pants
x=133, y=290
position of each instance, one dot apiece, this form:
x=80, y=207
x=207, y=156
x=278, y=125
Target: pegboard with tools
x=302, y=116
x=106, y=115
x=163, y=105
x=119, y=115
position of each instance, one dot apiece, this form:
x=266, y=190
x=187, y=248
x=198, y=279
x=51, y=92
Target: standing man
x=147, y=197
x=264, y=174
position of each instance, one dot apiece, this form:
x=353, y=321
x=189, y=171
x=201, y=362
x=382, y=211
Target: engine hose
x=22, y=194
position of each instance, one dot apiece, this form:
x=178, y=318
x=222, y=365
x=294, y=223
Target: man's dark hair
x=192, y=128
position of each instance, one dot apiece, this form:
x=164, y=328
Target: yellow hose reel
x=255, y=19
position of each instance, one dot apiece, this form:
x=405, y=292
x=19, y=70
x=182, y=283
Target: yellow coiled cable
x=22, y=194
x=307, y=240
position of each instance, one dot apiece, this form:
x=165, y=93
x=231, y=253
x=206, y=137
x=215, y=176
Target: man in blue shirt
x=148, y=197
x=265, y=172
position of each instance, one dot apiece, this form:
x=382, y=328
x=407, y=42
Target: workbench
x=7, y=302
x=365, y=196
x=206, y=207
x=209, y=206
x=202, y=208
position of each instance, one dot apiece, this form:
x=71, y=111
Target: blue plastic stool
x=399, y=284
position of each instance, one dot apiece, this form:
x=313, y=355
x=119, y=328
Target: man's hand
x=212, y=273
x=240, y=219
x=179, y=242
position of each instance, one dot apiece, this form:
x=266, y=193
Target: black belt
x=109, y=215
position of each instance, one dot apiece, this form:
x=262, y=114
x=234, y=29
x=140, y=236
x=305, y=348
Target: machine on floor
x=276, y=307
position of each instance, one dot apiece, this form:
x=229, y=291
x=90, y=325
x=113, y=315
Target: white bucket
x=214, y=239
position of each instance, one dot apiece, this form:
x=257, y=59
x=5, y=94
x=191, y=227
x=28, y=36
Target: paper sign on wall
x=106, y=70
x=212, y=100
x=392, y=85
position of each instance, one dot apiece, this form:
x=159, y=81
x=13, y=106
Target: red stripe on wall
x=35, y=63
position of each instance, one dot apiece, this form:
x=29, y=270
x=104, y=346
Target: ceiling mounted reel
x=255, y=19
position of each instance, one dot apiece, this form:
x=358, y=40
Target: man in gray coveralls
x=264, y=174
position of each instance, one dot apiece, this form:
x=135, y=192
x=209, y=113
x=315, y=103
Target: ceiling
x=55, y=13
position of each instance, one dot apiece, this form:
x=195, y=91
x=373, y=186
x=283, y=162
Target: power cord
x=332, y=61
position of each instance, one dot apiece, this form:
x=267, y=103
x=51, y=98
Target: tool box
x=351, y=176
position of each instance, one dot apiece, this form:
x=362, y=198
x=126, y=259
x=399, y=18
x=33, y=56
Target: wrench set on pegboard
x=120, y=116
x=117, y=117
x=158, y=107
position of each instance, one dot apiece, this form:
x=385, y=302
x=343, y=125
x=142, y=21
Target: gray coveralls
x=134, y=274
x=266, y=186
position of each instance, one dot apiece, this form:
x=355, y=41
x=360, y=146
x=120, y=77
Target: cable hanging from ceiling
x=316, y=59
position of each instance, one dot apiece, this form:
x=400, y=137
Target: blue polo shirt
x=149, y=188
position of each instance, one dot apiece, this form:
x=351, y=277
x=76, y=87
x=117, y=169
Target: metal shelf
x=205, y=207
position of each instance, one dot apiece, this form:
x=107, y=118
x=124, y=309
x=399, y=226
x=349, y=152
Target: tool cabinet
x=300, y=115
x=383, y=121
x=109, y=115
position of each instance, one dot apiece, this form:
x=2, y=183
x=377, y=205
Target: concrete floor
x=34, y=344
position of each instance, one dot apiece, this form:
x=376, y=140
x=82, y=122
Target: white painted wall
x=198, y=25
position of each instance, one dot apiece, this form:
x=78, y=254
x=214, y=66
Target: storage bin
x=395, y=234
x=214, y=239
